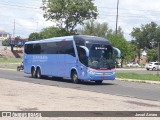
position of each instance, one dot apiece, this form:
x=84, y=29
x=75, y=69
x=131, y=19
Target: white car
x=133, y=64
x=153, y=66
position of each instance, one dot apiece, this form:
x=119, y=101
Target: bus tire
x=74, y=77
x=38, y=73
x=98, y=82
x=33, y=72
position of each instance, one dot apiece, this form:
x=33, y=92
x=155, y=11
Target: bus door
x=83, y=54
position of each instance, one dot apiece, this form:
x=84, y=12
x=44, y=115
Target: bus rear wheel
x=38, y=73
x=75, y=77
x=33, y=73
x=98, y=82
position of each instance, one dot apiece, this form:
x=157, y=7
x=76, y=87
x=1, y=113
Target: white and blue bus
x=78, y=57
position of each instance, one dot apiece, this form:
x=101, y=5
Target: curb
x=136, y=80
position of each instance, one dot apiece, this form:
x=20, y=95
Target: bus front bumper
x=93, y=76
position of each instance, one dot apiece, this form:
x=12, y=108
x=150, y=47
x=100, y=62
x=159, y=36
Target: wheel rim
x=33, y=73
x=38, y=74
x=75, y=77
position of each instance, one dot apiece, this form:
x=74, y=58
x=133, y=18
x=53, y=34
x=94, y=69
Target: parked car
x=153, y=66
x=118, y=65
x=133, y=64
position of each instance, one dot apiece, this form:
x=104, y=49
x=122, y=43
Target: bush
x=6, y=42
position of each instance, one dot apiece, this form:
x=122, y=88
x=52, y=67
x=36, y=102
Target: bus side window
x=29, y=48
x=70, y=49
x=52, y=48
x=37, y=49
x=66, y=48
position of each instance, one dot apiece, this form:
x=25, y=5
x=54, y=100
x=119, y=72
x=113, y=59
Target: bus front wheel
x=75, y=77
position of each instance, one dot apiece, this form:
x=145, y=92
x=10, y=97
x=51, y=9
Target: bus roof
x=76, y=37
x=92, y=39
x=51, y=39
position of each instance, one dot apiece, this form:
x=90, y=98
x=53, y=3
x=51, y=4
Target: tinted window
x=66, y=47
x=28, y=49
x=41, y=48
x=51, y=48
x=63, y=47
x=37, y=49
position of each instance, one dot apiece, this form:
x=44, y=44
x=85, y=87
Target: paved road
x=136, y=70
x=121, y=88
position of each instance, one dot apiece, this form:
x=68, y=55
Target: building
x=143, y=57
x=3, y=35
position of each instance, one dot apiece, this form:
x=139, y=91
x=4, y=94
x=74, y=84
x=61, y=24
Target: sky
x=28, y=16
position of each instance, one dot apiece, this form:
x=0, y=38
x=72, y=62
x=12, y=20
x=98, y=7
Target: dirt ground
x=23, y=96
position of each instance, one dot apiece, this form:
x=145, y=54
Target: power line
x=131, y=16
x=21, y=6
x=34, y=19
x=15, y=2
x=129, y=9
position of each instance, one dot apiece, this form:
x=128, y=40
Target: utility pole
x=37, y=27
x=14, y=28
x=117, y=16
x=158, y=59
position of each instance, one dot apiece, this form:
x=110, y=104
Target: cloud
x=27, y=15
x=132, y=13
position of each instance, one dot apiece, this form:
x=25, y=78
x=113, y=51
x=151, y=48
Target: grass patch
x=13, y=60
x=11, y=63
x=9, y=67
x=152, y=77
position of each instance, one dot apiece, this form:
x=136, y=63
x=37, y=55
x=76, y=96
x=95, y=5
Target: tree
x=95, y=29
x=120, y=32
x=50, y=32
x=147, y=35
x=127, y=49
x=17, y=38
x=152, y=54
x=34, y=36
x=67, y=14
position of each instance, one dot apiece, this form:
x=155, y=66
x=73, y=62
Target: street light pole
x=117, y=16
x=158, y=59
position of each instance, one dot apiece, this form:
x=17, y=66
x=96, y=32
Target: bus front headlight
x=91, y=72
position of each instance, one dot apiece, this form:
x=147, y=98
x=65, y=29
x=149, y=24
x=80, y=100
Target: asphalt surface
x=137, y=70
x=122, y=88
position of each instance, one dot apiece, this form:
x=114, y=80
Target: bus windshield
x=100, y=56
